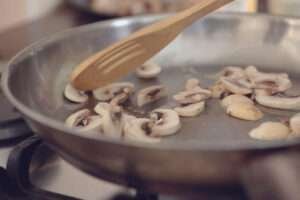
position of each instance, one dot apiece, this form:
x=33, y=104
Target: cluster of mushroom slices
x=110, y=118
x=277, y=130
x=240, y=88
x=112, y=121
x=234, y=89
x=192, y=100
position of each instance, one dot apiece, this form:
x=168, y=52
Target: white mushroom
x=233, y=80
x=236, y=86
x=74, y=95
x=192, y=96
x=234, y=99
x=151, y=94
x=295, y=124
x=165, y=122
x=233, y=72
x=245, y=111
x=138, y=129
x=262, y=92
x=274, y=82
x=192, y=83
x=218, y=90
x=191, y=110
x=108, y=92
x=279, y=102
x=84, y=120
x=111, y=117
x=270, y=131
x=148, y=70
x=120, y=98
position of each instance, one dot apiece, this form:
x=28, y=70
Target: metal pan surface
x=209, y=149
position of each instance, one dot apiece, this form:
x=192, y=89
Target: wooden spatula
x=124, y=56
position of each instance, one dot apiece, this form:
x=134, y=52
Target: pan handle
x=274, y=177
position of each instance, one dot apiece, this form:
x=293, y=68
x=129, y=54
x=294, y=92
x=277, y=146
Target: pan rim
x=186, y=146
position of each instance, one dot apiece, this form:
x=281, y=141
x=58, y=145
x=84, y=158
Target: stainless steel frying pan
x=211, y=150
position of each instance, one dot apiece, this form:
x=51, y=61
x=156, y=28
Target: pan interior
x=41, y=72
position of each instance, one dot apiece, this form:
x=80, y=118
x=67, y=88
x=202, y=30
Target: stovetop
x=34, y=171
x=31, y=170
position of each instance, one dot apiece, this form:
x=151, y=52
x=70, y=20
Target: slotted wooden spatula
x=124, y=56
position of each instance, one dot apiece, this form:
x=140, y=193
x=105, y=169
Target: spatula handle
x=176, y=23
x=199, y=10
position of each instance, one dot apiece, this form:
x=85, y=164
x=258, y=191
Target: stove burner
x=14, y=129
x=15, y=182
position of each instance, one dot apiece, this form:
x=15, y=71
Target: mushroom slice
x=279, y=102
x=295, y=124
x=74, y=95
x=262, y=92
x=84, y=120
x=120, y=98
x=191, y=110
x=151, y=94
x=218, y=90
x=138, y=129
x=165, y=122
x=270, y=131
x=233, y=73
x=244, y=111
x=108, y=92
x=192, y=96
x=275, y=82
x=236, y=86
x=111, y=119
x=192, y=83
x=78, y=119
x=95, y=124
x=234, y=99
x=148, y=70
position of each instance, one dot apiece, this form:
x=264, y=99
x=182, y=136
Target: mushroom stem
x=151, y=94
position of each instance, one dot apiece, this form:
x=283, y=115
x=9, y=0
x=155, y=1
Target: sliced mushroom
x=245, y=111
x=192, y=96
x=74, y=95
x=111, y=117
x=84, y=120
x=236, y=86
x=295, y=124
x=270, y=131
x=109, y=92
x=233, y=73
x=262, y=92
x=192, y=83
x=120, y=98
x=165, y=122
x=191, y=110
x=218, y=90
x=234, y=99
x=274, y=82
x=138, y=130
x=78, y=119
x=151, y=94
x=279, y=102
x=148, y=70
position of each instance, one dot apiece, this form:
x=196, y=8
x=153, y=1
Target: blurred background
x=25, y=21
